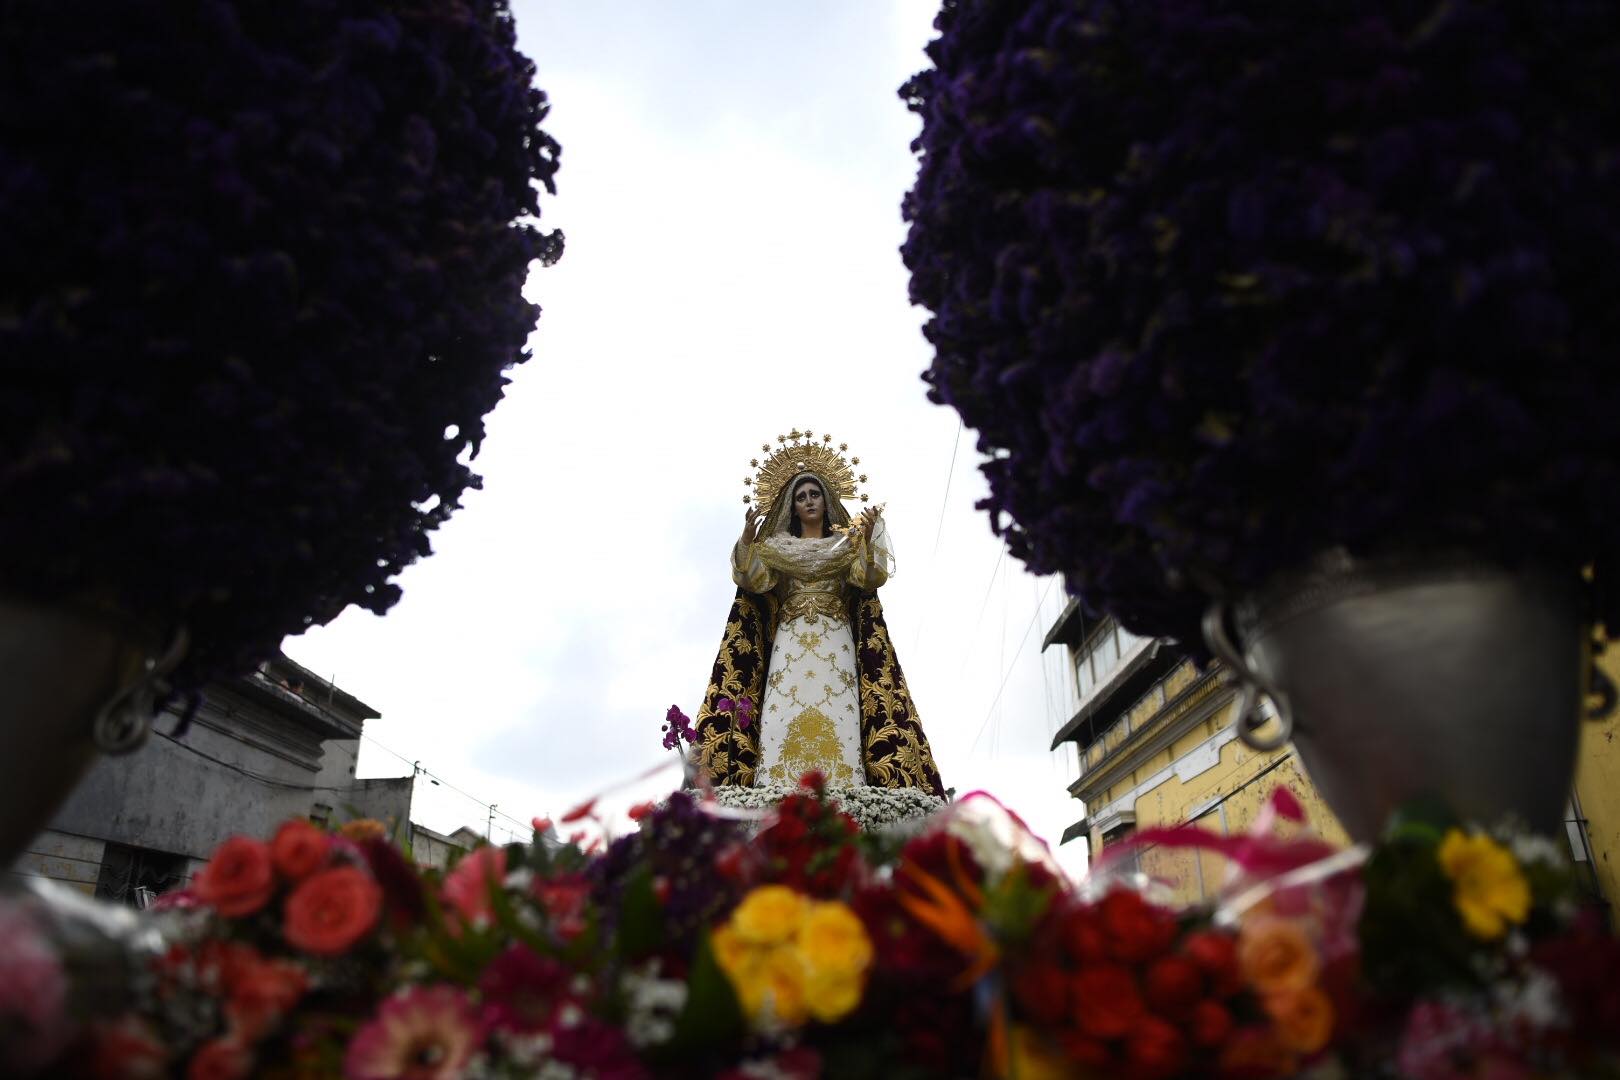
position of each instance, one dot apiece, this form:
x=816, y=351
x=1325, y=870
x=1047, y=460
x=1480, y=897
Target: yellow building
x=1593, y=824
x=1155, y=745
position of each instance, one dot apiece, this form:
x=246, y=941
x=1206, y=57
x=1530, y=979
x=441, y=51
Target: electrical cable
x=260, y=777
x=1007, y=674
x=416, y=766
x=286, y=785
x=939, y=529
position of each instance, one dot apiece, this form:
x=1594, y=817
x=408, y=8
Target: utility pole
x=490, y=824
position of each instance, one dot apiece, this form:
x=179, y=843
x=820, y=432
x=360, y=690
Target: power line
x=945, y=500
x=1001, y=655
x=984, y=601
x=260, y=777
x=1008, y=673
x=939, y=526
x=287, y=785
x=417, y=768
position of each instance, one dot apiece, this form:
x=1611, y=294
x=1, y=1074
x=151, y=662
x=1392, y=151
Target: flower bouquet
x=696, y=947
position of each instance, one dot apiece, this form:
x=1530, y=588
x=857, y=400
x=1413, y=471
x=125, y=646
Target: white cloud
x=730, y=187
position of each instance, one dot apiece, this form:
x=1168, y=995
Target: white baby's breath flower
x=1531, y=848
x=1534, y=1000
x=651, y=1006
x=872, y=807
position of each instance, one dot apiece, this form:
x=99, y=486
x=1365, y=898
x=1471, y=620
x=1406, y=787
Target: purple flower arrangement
x=260, y=279
x=1224, y=285
x=677, y=728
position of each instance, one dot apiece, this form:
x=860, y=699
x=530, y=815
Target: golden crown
x=800, y=452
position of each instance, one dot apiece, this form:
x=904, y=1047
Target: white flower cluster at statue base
x=872, y=807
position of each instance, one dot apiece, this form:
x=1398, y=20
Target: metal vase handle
x=1251, y=685
x=124, y=722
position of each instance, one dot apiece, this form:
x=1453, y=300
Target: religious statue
x=805, y=642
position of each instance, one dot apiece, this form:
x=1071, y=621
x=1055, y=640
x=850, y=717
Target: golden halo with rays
x=798, y=452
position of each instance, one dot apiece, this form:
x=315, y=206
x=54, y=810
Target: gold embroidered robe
x=800, y=604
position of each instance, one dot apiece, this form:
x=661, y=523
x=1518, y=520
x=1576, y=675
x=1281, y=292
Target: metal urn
x=76, y=682
x=1407, y=678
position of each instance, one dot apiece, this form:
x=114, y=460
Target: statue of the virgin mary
x=806, y=642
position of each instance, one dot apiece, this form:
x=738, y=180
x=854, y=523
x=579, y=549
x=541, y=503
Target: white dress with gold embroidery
x=811, y=715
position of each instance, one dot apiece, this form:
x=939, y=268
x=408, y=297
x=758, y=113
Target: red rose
x=1173, y=985
x=299, y=848
x=1210, y=1024
x=126, y=1049
x=1215, y=954
x=220, y=1059
x=217, y=964
x=1253, y=1053
x=1042, y=991
x=787, y=830
x=731, y=862
x=262, y=993
x=1082, y=931
x=565, y=898
x=1155, y=1050
x=332, y=910
x=1105, y=1000
x=1088, y=1053
x=238, y=880
x=944, y=856
x=1137, y=930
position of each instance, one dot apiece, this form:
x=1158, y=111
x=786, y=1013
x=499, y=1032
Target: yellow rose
x=834, y=942
x=736, y=957
x=832, y=997
x=778, y=993
x=1488, y=888
x=769, y=915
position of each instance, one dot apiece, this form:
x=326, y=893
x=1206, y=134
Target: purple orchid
x=677, y=728
x=741, y=709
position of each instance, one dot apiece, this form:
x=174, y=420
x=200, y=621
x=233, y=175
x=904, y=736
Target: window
x=1100, y=655
x=137, y=876
x=1131, y=863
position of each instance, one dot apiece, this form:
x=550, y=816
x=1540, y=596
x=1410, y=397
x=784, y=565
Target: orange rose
x=331, y=910
x=238, y=880
x=362, y=829
x=220, y=1059
x=1276, y=955
x=1303, y=1018
x=299, y=848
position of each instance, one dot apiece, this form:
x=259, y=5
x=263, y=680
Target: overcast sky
x=730, y=188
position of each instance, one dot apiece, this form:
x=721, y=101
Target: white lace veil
x=782, y=510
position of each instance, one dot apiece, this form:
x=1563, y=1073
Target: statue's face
x=808, y=505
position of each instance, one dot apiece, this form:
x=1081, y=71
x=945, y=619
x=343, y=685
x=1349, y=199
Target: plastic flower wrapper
x=68, y=961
